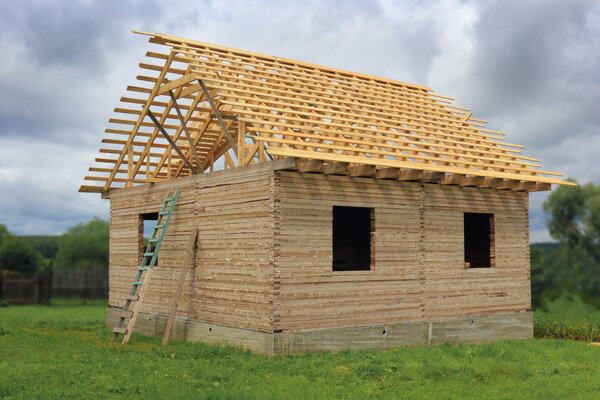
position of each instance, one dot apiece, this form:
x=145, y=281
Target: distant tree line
x=83, y=245
x=573, y=263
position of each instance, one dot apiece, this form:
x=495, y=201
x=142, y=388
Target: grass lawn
x=65, y=352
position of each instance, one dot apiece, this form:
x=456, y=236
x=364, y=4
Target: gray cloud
x=532, y=68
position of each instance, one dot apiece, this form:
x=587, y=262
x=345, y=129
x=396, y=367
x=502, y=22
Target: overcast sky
x=530, y=68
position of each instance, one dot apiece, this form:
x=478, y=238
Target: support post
x=185, y=130
x=177, y=294
x=218, y=115
x=171, y=142
x=241, y=154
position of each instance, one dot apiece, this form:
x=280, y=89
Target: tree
x=4, y=233
x=17, y=255
x=575, y=222
x=84, y=245
x=47, y=246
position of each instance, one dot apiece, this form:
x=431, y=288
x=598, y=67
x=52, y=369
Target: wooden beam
x=433, y=177
x=91, y=189
x=138, y=305
x=525, y=186
x=541, y=187
x=169, y=86
x=453, y=179
x=367, y=171
x=491, y=182
x=171, y=142
x=309, y=165
x=199, y=133
x=224, y=116
x=336, y=168
x=145, y=107
x=410, y=175
x=218, y=115
x=179, y=289
x=510, y=184
x=241, y=155
x=185, y=130
x=387, y=173
x=473, y=181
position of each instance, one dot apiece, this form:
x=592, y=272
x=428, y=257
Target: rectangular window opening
x=479, y=240
x=145, y=229
x=352, y=228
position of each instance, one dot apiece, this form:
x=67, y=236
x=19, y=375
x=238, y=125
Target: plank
x=177, y=293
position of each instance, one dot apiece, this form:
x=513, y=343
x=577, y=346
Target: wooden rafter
x=213, y=96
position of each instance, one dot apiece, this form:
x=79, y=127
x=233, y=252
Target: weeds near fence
x=546, y=327
x=568, y=317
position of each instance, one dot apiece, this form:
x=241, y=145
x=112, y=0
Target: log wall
x=418, y=270
x=264, y=255
x=231, y=282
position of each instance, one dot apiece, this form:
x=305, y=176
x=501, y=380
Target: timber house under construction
x=316, y=208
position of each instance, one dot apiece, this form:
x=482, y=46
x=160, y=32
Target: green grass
x=65, y=352
x=77, y=301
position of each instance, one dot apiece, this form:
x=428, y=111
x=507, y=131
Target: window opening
x=479, y=240
x=146, y=228
x=352, y=227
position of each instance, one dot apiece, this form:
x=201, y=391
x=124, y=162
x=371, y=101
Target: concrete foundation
x=474, y=329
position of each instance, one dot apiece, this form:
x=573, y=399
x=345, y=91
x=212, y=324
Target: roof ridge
x=291, y=61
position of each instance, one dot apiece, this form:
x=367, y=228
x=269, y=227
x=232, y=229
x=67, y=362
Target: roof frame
x=256, y=107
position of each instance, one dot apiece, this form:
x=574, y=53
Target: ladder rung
x=169, y=199
x=127, y=314
x=138, y=283
x=163, y=213
x=119, y=330
x=148, y=254
x=153, y=240
x=132, y=297
x=158, y=226
x=143, y=268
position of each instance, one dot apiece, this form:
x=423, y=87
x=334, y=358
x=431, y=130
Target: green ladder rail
x=136, y=294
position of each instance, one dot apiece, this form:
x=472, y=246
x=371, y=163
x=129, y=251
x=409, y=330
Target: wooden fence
x=40, y=287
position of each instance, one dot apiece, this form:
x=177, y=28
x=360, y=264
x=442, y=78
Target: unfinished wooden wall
x=264, y=259
x=125, y=210
x=234, y=271
x=231, y=282
x=312, y=296
x=452, y=290
x=418, y=270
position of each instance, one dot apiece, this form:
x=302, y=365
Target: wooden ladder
x=142, y=278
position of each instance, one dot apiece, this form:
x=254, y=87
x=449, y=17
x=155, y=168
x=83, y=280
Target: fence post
x=50, y=285
x=85, y=285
